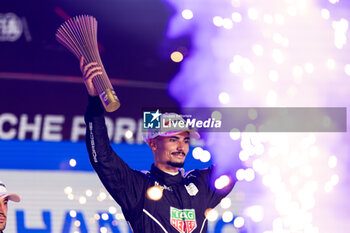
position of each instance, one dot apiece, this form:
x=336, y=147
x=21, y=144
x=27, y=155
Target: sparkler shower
x=289, y=53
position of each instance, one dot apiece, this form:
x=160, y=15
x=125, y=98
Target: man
x=164, y=199
x=4, y=198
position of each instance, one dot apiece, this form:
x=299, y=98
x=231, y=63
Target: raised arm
x=124, y=184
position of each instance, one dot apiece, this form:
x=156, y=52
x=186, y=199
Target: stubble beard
x=176, y=164
x=3, y=224
x=2, y=227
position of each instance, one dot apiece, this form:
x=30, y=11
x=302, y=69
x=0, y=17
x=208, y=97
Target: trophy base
x=109, y=100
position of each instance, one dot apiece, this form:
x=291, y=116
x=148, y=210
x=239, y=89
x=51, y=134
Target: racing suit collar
x=165, y=177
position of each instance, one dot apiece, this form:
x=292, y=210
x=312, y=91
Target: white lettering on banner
x=47, y=207
x=139, y=137
x=52, y=128
x=12, y=120
x=123, y=125
x=78, y=128
x=26, y=127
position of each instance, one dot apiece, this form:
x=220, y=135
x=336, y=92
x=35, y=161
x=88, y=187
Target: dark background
x=133, y=47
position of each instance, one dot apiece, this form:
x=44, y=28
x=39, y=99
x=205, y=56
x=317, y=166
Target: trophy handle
x=109, y=100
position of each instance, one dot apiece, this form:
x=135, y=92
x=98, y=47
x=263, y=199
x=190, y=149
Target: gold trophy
x=79, y=35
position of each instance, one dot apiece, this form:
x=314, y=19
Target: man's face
x=170, y=152
x=3, y=213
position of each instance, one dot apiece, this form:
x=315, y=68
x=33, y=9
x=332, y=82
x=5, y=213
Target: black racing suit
x=185, y=197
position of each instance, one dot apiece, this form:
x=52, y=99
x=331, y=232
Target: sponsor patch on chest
x=163, y=186
x=183, y=220
x=191, y=189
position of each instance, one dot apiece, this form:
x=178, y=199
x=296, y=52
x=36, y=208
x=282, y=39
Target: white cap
x=169, y=128
x=3, y=193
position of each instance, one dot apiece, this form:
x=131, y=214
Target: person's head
x=4, y=198
x=170, y=151
x=170, y=144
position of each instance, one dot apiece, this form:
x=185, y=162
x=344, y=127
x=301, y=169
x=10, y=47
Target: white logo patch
x=163, y=186
x=192, y=189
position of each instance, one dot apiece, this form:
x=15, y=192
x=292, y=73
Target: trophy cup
x=79, y=35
